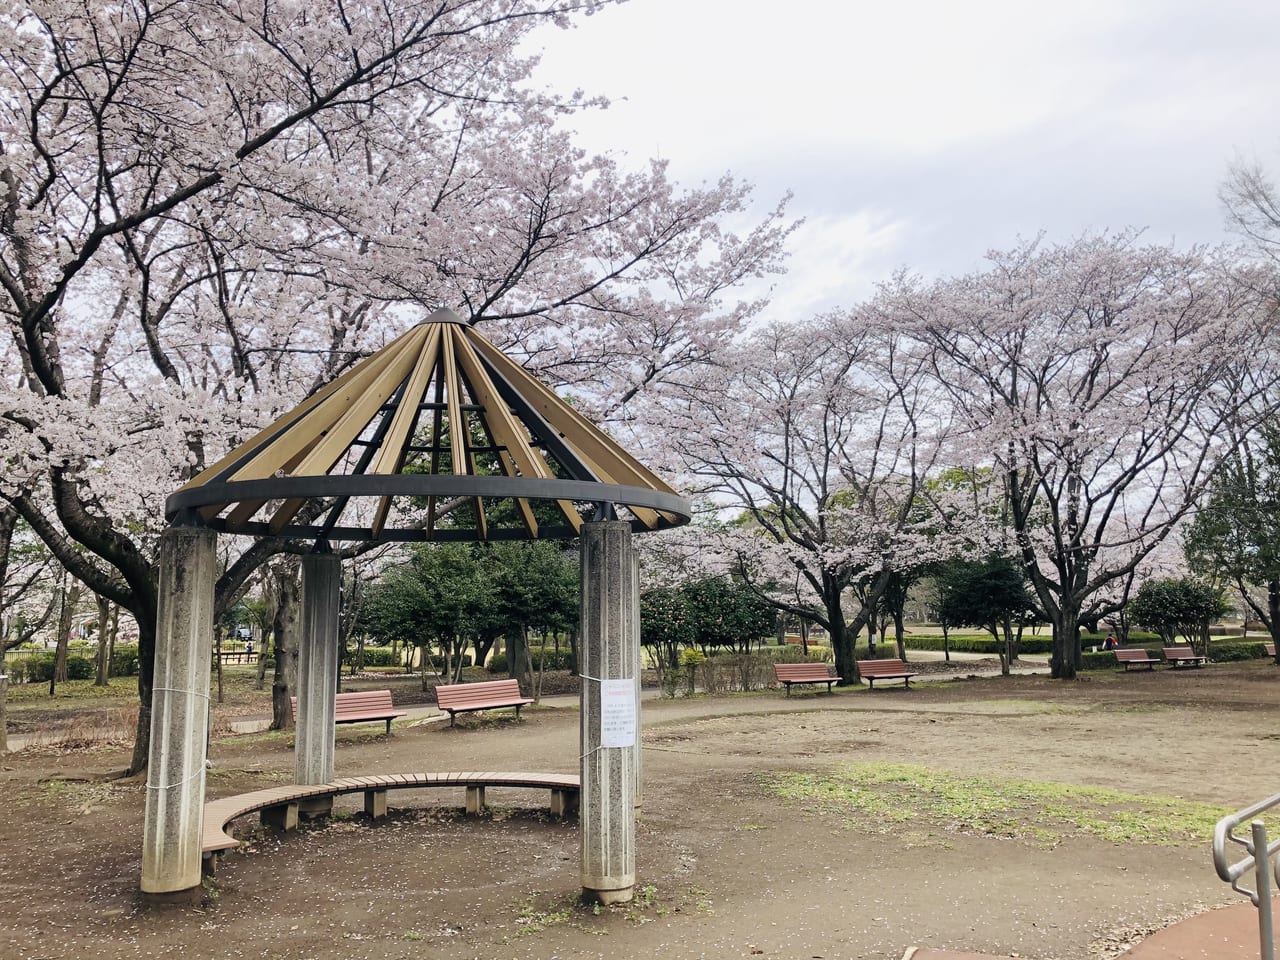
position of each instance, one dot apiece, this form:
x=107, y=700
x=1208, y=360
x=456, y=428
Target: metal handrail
x=1261, y=861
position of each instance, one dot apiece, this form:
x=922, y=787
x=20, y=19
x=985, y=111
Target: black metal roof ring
x=417, y=485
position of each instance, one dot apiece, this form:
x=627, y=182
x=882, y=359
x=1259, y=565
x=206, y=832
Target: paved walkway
x=1227, y=933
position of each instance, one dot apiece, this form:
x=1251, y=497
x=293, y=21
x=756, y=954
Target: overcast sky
x=921, y=133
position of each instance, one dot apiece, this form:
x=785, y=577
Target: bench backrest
x=483, y=691
x=877, y=668
x=1175, y=653
x=357, y=703
x=1141, y=654
x=1269, y=649
x=801, y=671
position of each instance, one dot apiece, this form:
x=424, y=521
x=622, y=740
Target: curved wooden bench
x=279, y=805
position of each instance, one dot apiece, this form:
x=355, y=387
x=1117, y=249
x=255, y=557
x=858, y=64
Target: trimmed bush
x=792, y=653
x=124, y=661
x=1102, y=660
x=554, y=661
x=438, y=662
x=40, y=669
x=373, y=657
x=1227, y=651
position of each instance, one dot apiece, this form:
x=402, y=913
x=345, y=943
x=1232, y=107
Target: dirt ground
x=726, y=866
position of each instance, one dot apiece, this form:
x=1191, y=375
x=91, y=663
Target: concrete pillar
x=608, y=657
x=317, y=675
x=179, y=715
x=635, y=616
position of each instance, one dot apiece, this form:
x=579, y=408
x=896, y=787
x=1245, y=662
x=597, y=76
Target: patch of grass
x=532, y=917
x=885, y=796
x=35, y=696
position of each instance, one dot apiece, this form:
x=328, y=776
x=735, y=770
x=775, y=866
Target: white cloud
x=923, y=133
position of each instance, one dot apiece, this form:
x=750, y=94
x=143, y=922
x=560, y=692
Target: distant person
x=248, y=648
x=1109, y=643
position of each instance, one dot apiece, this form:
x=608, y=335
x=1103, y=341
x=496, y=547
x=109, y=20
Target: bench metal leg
x=375, y=803
x=475, y=799
x=209, y=863
x=388, y=726
x=283, y=817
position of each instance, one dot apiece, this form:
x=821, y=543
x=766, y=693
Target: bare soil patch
x=726, y=866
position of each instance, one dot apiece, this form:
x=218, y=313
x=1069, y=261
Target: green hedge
x=553, y=660
x=438, y=662
x=40, y=669
x=124, y=661
x=373, y=657
x=975, y=643
x=794, y=653
x=1221, y=652
x=1229, y=650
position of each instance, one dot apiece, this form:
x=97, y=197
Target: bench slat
x=873, y=670
x=360, y=706
x=799, y=673
x=457, y=698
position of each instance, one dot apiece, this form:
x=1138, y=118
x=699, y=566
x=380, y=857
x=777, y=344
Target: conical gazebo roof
x=437, y=436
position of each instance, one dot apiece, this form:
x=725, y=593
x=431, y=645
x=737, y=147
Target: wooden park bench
x=873, y=670
x=1177, y=656
x=1139, y=656
x=1269, y=649
x=279, y=806
x=458, y=698
x=789, y=673
x=361, y=706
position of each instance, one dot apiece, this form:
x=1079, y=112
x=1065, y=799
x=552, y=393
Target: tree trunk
x=899, y=634
x=146, y=680
x=1006, y=660
x=4, y=696
x=842, y=640
x=946, y=642
x=70, y=598
x=103, y=664
x=217, y=656
x=288, y=624
x=1064, y=661
x=518, y=656
x=1273, y=608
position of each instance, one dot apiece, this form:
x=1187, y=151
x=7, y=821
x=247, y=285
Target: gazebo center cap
x=445, y=315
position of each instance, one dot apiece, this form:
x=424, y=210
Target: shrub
x=373, y=657
x=124, y=661
x=438, y=662
x=1102, y=660
x=792, y=653
x=498, y=663
x=40, y=669
x=553, y=660
x=1224, y=652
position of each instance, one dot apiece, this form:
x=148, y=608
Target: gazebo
x=437, y=436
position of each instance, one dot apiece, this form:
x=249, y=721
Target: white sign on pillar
x=618, y=713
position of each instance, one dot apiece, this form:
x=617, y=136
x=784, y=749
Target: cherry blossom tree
x=818, y=438
x=205, y=211
x=1096, y=378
